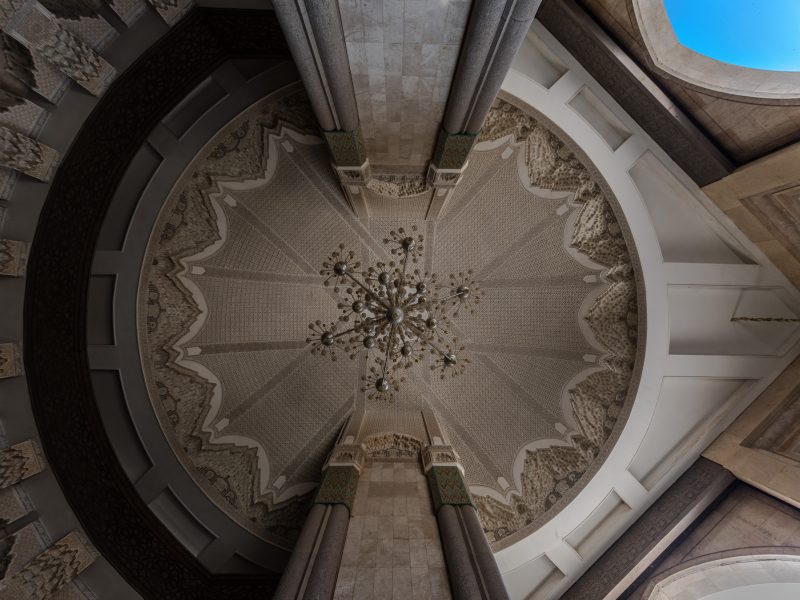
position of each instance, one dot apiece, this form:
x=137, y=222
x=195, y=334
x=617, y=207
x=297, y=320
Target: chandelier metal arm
x=388, y=349
x=425, y=340
x=368, y=291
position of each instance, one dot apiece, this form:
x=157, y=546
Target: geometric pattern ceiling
x=231, y=281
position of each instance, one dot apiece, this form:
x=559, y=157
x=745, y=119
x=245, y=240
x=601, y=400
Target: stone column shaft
x=322, y=581
x=314, y=565
x=313, y=30
x=471, y=566
x=495, y=31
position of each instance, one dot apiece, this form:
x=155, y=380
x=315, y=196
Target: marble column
x=19, y=462
x=471, y=566
x=314, y=565
x=313, y=30
x=495, y=31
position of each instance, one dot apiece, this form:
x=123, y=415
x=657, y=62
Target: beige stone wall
x=735, y=449
x=746, y=522
x=763, y=200
x=393, y=550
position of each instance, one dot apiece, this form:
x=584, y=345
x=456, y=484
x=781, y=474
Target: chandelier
x=394, y=314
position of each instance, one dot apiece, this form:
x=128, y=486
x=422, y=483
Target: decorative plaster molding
x=51, y=570
x=347, y=455
x=13, y=255
x=26, y=155
x=19, y=462
x=392, y=445
x=40, y=31
x=440, y=456
x=10, y=360
x=339, y=485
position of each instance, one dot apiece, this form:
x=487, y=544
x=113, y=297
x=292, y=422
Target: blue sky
x=762, y=34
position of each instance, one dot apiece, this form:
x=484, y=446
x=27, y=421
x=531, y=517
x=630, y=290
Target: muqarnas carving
x=19, y=462
x=597, y=402
x=26, y=155
x=13, y=256
x=51, y=570
x=40, y=31
x=10, y=360
x=21, y=69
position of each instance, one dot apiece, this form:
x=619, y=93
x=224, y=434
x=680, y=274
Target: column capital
x=440, y=456
x=346, y=455
x=448, y=487
x=347, y=148
x=338, y=486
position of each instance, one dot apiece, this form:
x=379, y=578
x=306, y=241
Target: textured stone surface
x=50, y=570
x=13, y=254
x=46, y=35
x=402, y=57
x=393, y=549
x=19, y=462
x=26, y=155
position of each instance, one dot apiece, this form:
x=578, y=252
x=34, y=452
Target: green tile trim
x=346, y=147
x=338, y=486
x=448, y=487
x=452, y=149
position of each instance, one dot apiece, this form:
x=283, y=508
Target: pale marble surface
x=402, y=57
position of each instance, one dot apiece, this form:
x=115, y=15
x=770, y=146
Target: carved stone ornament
x=10, y=360
x=39, y=30
x=26, y=155
x=347, y=455
x=51, y=570
x=338, y=486
x=438, y=456
x=171, y=10
x=13, y=255
x=445, y=178
x=19, y=462
x=447, y=486
x=346, y=147
x=359, y=175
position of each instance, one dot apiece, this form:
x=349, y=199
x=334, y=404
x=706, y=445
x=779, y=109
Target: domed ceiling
x=231, y=282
